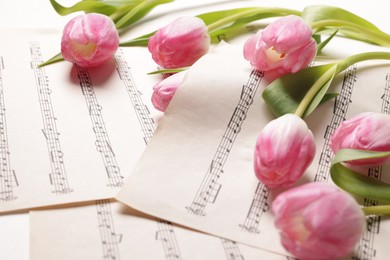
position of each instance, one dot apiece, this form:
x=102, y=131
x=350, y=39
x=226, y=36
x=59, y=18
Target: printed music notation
x=209, y=188
x=8, y=178
x=259, y=206
x=365, y=248
x=166, y=235
x=110, y=239
x=232, y=250
x=170, y=245
x=386, y=97
x=102, y=143
x=340, y=108
x=141, y=110
x=58, y=176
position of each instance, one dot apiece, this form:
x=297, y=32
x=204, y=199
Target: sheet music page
x=67, y=134
x=115, y=236
x=198, y=168
x=113, y=231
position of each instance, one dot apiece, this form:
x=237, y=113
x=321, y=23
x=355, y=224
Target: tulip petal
x=284, y=149
x=89, y=40
x=313, y=225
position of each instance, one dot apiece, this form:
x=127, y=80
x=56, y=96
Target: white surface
x=14, y=229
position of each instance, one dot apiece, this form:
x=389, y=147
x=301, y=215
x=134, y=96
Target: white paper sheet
x=67, y=134
x=198, y=168
x=112, y=231
x=44, y=221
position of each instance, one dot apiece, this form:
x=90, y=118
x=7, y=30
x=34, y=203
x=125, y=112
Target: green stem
x=378, y=37
x=377, y=210
x=137, y=12
x=251, y=12
x=314, y=90
x=334, y=70
x=121, y=12
x=345, y=63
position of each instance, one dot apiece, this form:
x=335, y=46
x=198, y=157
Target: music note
x=58, y=178
x=209, y=188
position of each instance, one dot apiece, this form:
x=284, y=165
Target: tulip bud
x=89, y=40
x=164, y=91
x=366, y=131
x=284, y=46
x=284, y=149
x=318, y=221
x=180, y=43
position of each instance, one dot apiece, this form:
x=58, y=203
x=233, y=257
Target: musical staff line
x=166, y=235
x=340, y=108
x=386, y=97
x=110, y=239
x=8, y=179
x=168, y=239
x=141, y=110
x=365, y=248
x=58, y=177
x=259, y=206
x=232, y=250
x=102, y=143
x=209, y=187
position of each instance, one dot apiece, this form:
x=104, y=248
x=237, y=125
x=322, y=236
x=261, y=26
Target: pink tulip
x=366, y=131
x=180, y=43
x=89, y=40
x=164, y=91
x=284, y=46
x=284, y=149
x=318, y=221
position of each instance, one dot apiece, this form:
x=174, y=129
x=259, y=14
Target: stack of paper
x=106, y=176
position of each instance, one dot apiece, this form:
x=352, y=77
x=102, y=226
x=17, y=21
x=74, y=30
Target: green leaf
x=54, y=59
x=138, y=12
x=284, y=94
x=356, y=183
x=322, y=44
x=317, y=13
x=323, y=82
x=328, y=96
x=86, y=6
x=141, y=41
x=353, y=26
x=237, y=18
x=212, y=17
x=166, y=71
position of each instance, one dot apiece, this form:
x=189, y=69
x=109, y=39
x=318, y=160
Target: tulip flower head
x=284, y=149
x=318, y=221
x=284, y=46
x=366, y=131
x=164, y=91
x=180, y=43
x=89, y=40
